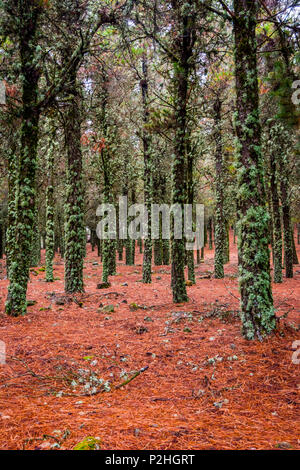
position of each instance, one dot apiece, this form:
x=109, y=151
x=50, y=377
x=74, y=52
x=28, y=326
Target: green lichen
x=89, y=443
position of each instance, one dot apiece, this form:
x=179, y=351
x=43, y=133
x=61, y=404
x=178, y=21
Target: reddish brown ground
x=181, y=401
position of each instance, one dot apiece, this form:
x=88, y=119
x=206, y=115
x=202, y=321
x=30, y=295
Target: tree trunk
x=25, y=188
x=183, y=49
x=50, y=208
x=219, y=216
x=75, y=236
x=35, y=257
x=190, y=200
x=257, y=311
x=276, y=218
x=147, y=259
x=11, y=206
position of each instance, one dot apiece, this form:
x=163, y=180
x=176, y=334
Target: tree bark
x=276, y=216
x=219, y=216
x=183, y=48
x=257, y=311
x=75, y=236
x=25, y=188
x=147, y=259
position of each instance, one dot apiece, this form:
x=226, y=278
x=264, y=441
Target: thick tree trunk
x=25, y=188
x=179, y=180
x=257, y=311
x=11, y=206
x=183, y=49
x=75, y=236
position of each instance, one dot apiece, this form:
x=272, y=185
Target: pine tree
x=184, y=17
x=50, y=205
x=148, y=190
x=190, y=200
x=275, y=205
x=27, y=32
x=106, y=156
x=257, y=311
x=219, y=213
x=75, y=237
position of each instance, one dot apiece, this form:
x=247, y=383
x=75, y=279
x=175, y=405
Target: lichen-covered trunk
x=147, y=257
x=295, y=256
x=287, y=231
x=50, y=209
x=106, y=157
x=285, y=205
x=226, y=257
x=20, y=254
x=257, y=311
x=210, y=233
x=183, y=48
x=157, y=199
x=75, y=236
x=109, y=244
x=276, y=222
x=35, y=257
x=190, y=200
x=25, y=182
x=219, y=213
x=11, y=206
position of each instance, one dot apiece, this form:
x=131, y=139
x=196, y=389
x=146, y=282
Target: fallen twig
x=133, y=377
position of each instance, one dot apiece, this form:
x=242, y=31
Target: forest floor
x=205, y=386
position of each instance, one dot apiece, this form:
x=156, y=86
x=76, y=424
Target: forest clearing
x=149, y=225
